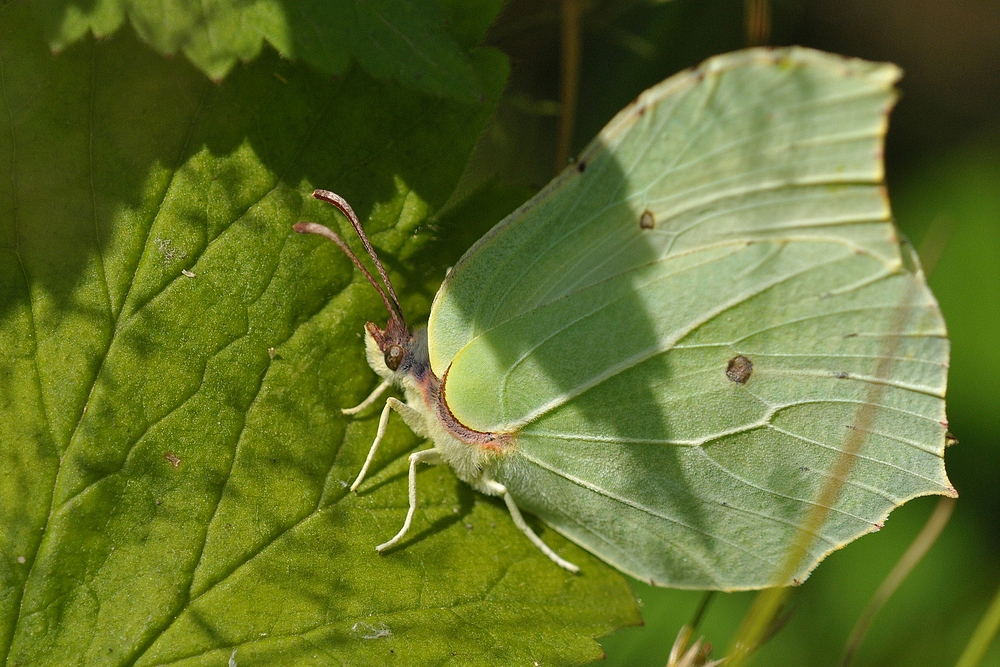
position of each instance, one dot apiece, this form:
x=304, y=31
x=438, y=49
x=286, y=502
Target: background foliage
x=119, y=169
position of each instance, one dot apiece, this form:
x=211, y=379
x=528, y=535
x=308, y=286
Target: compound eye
x=393, y=356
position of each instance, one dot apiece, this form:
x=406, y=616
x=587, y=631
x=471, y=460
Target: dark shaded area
x=281, y=110
x=421, y=45
x=949, y=51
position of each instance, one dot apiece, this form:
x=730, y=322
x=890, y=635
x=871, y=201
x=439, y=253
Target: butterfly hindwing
x=681, y=328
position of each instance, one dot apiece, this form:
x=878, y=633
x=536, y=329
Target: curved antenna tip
x=324, y=195
x=345, y=208
x=305, y=227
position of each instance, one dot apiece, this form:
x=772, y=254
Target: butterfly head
x=389, y=347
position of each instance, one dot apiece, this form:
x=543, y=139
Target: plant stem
x=570, y=37
x=983, y=636
x=700, y=611
x=914, y=553
x=757, y=19
x=754, y=629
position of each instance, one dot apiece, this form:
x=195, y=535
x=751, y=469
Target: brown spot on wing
x=647, y=220
x=739, y=369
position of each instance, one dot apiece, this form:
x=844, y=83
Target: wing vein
x=652, y=350
x=644, y=509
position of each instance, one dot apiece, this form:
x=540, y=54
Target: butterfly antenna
x=326, y=232
x=345, y=208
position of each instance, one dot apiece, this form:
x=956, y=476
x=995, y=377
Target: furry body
x=466, y=455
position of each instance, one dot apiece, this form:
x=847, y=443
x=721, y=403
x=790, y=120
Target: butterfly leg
x=383, y=421
x=498, y=489
x=372, y=397
x=430, y=456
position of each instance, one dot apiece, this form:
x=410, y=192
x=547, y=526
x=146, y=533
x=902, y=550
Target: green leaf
x=173, y=360
x=404, y=40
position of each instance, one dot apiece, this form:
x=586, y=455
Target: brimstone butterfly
x=662, y=354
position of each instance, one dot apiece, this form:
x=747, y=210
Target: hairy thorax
x=471, y=454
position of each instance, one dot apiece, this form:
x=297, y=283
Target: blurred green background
x=943, y=171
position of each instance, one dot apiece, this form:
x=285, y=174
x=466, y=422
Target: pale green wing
x=733, y=210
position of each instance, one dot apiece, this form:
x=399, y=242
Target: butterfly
x=665, y=354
